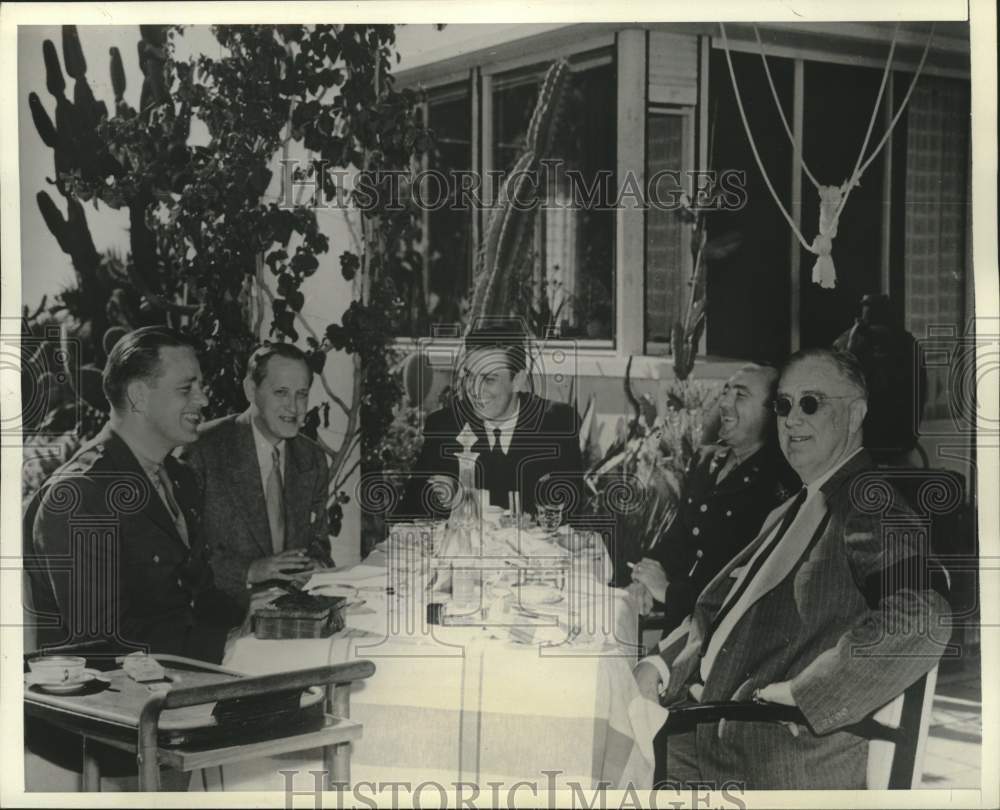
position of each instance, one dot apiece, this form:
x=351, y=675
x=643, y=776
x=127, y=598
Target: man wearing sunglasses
x=827, y=609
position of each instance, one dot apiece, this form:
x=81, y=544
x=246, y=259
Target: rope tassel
x=830, y=204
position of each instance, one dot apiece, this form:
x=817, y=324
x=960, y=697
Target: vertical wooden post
x=337, y=758
x=795, y=256
x=886, y=257
x=630, y=243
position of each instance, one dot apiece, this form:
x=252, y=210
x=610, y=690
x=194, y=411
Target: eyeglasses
x=808, y=403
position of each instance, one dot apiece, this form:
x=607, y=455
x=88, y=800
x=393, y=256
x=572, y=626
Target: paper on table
x=647, y=718
x=346, y=576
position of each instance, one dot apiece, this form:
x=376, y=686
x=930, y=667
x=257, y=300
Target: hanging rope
x=781, y=111
x=832, y=198
x=753, y=144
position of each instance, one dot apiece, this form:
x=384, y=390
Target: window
x=748, y=312
x=936, y=218
x=668, y=260
x=450, y=253
x=569, y=281
x=839, y=100
x=568, y=288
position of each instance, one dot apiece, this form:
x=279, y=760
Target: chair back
x=899, y=765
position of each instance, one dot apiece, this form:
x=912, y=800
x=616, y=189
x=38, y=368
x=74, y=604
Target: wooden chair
x=897, y=732
x=141, y=734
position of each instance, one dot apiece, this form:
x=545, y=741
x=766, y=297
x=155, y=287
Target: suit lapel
x=125, y=461
x=248, y=489
x=808, y=524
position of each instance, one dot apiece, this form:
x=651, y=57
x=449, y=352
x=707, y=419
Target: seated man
x=264, y=485
x=728, y=491
x=838, y=620
x=520, y=438
x=122, y=513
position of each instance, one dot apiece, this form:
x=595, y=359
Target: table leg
x=91, y=768
x=146, y=757
x=337, y=763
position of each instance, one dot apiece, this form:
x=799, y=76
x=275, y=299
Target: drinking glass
x=550, y=517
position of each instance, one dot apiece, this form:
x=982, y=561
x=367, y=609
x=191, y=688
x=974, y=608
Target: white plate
x=537, y=595
x=64, y=687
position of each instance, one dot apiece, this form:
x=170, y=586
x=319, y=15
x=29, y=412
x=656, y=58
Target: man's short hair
x=506, y=334
x=257, y=364
x=772, y=374
x=845, y=363
x=136, y=356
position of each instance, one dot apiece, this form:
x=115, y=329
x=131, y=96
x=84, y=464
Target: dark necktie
x=497, y=446
x=165, y=488
x=757, y=564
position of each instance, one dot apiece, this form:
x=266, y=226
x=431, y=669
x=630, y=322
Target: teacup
x=57, y=668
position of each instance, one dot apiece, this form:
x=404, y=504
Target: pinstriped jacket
x=849, y=609
x=234, y=513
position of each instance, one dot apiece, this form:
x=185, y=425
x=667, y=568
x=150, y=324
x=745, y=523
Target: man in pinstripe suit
x=827, y=609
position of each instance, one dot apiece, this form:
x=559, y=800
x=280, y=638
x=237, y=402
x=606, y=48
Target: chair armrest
x=687, y=717
x=266, y=684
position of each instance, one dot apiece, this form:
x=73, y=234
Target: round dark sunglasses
x=808, y=403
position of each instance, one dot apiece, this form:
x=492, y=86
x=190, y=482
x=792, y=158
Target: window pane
x=748, y=289
x=569, y=280
x=449, y=229
x=936, y=216
x=666, y=283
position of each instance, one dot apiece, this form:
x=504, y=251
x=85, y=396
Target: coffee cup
x=53, y=669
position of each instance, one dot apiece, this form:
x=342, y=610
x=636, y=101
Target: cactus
x=101, y=306
x=510, y=231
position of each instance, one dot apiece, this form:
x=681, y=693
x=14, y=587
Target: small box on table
x=300, y=615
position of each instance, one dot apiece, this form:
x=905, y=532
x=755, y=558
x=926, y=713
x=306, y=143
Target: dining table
x=530, y=683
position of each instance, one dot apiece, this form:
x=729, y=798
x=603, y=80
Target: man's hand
x=288, y=565
x=647, y=678
x=643, y=598
x=780, y=692
x=651, y=574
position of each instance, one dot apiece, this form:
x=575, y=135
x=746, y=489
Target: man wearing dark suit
x=825, y=610
x=728, y=491
x=526, y=444
x=264, y=486
x=117, y=525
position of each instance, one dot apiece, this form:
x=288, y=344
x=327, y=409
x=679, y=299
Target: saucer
x=68, y=687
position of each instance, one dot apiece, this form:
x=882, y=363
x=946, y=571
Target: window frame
x=853, y=47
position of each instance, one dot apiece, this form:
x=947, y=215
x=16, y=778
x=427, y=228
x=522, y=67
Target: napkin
x=647, y=718
x=347, y=576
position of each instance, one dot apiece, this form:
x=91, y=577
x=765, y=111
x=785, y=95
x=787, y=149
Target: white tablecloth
x=467, y=704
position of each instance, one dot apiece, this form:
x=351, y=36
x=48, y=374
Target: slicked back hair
x=845, y=363
x=136, y=356
x=506, y=335
x=257, y=364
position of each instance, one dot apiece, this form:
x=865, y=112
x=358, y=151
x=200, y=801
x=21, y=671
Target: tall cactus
x=83, y=161
x=507, y=242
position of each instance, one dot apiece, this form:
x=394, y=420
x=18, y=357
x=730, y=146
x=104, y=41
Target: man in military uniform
x=728, y=491
x=121, y=514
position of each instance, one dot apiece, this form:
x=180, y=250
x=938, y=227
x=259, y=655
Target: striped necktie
x=757, y=564
x=275, y=499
